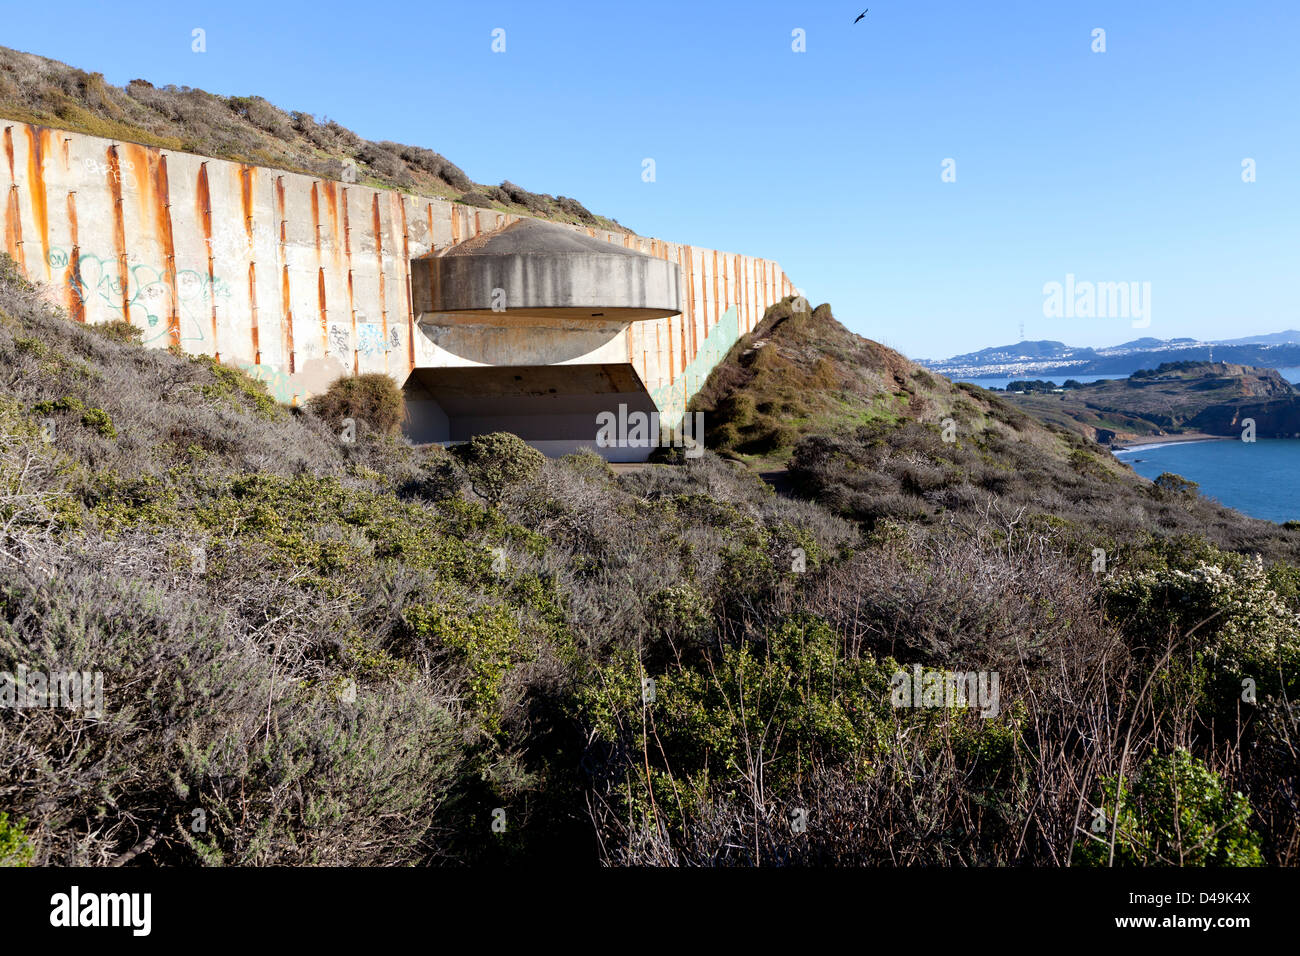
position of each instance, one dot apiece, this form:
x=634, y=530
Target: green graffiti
x=147, y=299
x=277, y=383
x=671, y=399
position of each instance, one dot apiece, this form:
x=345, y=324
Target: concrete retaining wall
x=298, y=279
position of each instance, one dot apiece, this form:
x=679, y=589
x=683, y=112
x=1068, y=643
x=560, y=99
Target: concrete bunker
x=527, y=327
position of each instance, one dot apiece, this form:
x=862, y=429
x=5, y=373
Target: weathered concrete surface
x=532, y=267
x=300, y=280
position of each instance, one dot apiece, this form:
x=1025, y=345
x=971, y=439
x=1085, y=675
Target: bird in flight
x=861, y=15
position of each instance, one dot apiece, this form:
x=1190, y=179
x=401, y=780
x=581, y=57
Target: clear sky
x=1122, y=166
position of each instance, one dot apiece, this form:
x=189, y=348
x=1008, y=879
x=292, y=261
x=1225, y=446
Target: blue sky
x=1122, y=166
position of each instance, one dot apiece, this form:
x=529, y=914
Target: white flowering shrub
x=1237, y=626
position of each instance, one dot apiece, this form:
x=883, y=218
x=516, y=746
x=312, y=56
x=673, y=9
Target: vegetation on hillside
x=248, y=129
x=329, y=646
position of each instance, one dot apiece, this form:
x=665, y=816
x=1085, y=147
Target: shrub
x=15, y=850
x=1237, y=625
x=436, y=478
x=1175, y=486
x=11, y=275
x=495, y=462
x=373, y=398
x=95, y=419
x=118, y=330
x=589, y=464
x=487, y=643
x=1175, y=813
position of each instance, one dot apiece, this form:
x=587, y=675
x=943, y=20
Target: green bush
x=436, y=478
x=1175, y=486
x=495, y=462
x=15, y=850
x=1176, y=812
x=589, y=464
x=95, y=419
x=11, y=275
x=236, y=386
x=373, y=398
x=487, y=642
x=118, y=330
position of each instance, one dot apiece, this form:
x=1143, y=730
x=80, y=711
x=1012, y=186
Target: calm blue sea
x=1058, y=379
x=1257, y=478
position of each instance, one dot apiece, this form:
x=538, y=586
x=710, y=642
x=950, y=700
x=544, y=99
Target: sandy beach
x=1168, y=440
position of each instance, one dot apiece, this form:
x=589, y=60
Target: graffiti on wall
x=371, y=341
x=278, y=383
x=97, y=282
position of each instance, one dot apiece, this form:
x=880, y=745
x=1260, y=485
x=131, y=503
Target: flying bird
x=861, y=15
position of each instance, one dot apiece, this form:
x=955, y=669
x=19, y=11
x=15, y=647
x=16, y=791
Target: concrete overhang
x=538, y=269
x=554, y=408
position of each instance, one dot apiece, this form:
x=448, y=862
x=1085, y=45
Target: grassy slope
x=801, y=373
x=248, y=129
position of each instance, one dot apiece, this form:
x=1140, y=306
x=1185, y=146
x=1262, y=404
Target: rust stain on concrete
x=286, y=299
x=324, y=312
x=163, y=219
x=406, y=281
x=203, y=204
x=378, y=227
x=38, y=145
x=352, y=298
x=252, y=302
x=247, y=175
x=352, y=306
x=72, y=273
x=9, y=152
x=247, y=179
x=315, y=218
x=14, y=230
x=119, y=231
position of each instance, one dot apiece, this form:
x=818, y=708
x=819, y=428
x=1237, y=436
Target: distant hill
x=1148, y=342
x=1290, y=336
x=1050, y=358
x=1045, y=349
x=248, y=129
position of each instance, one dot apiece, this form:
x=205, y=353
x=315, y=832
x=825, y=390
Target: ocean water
x=1292, y=375
x=1257, y=478
x=1001, y=382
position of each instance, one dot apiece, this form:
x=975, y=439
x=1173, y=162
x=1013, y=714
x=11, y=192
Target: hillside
x=802, y=372
x=362, y=652
x=1209, y=398
x=248, y=129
